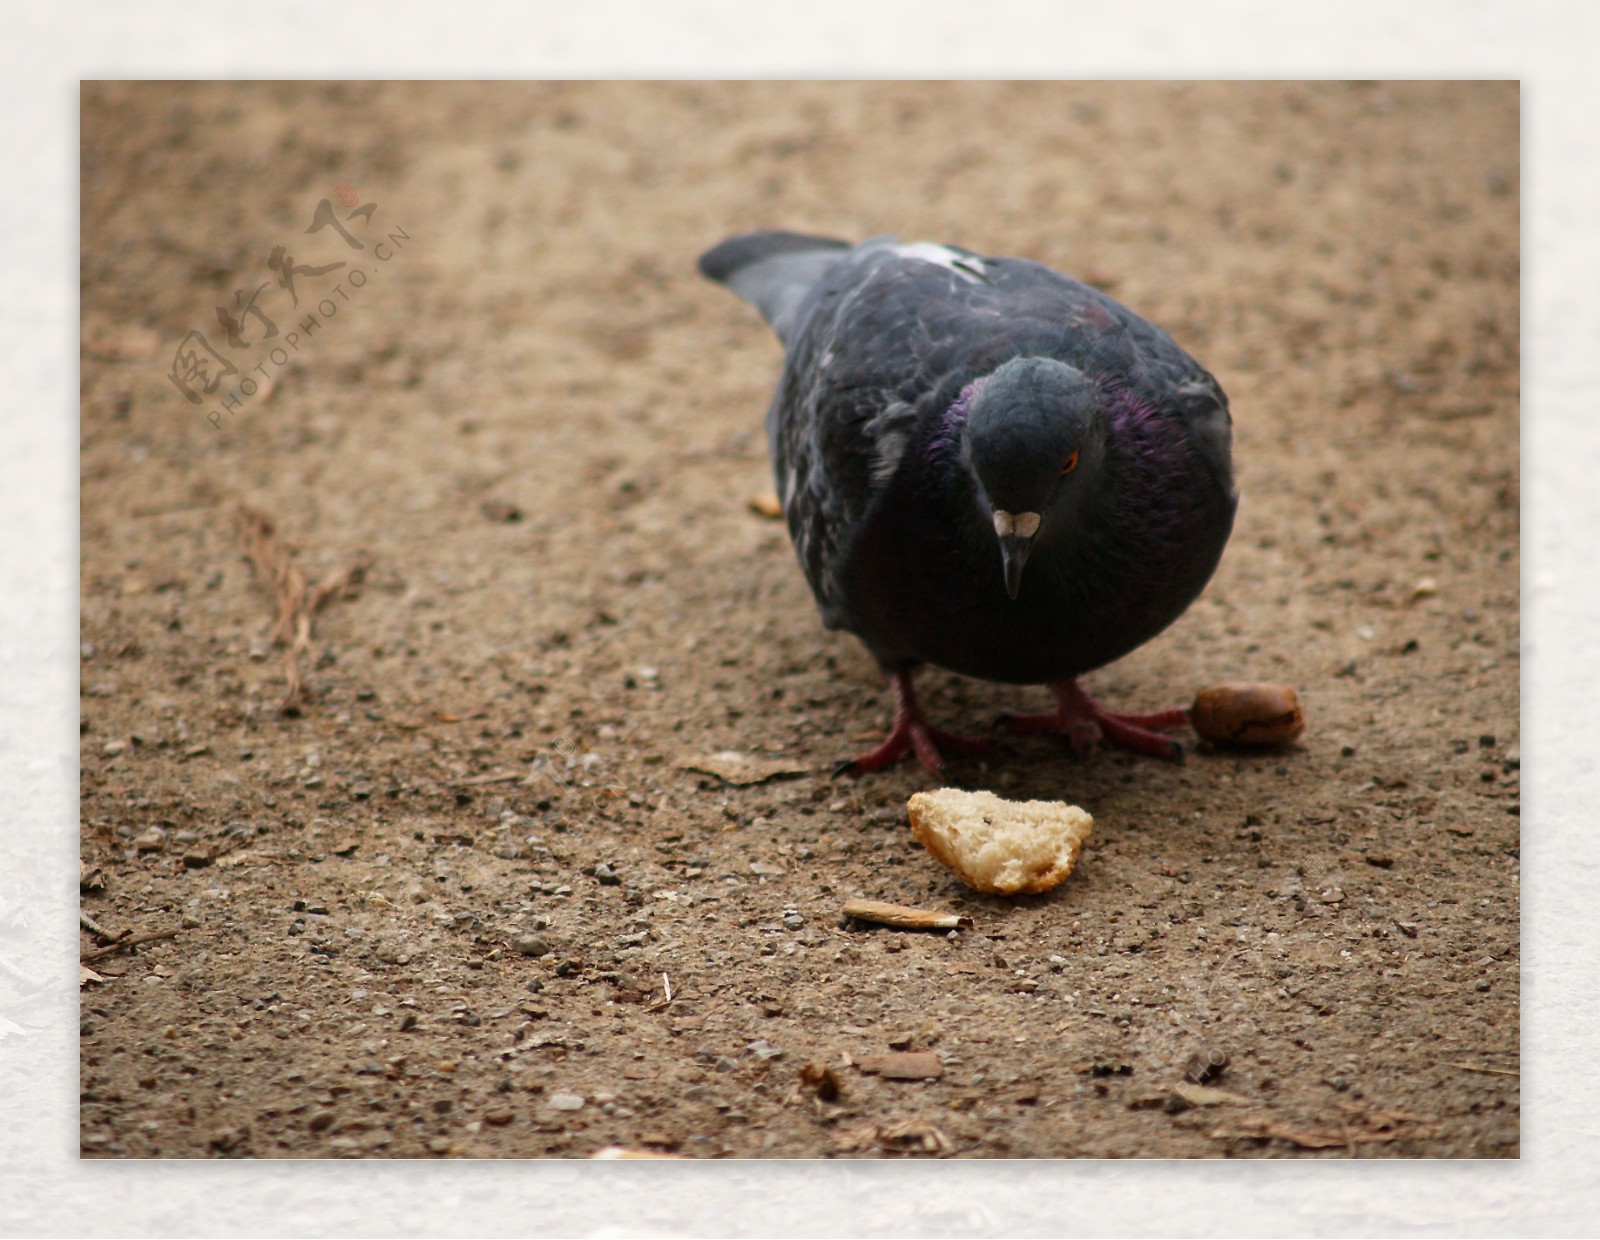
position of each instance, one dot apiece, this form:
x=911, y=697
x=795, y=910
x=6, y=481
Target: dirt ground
x=469, y=900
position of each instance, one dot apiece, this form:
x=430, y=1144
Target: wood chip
x=904, y=917
x=742, y=769
x=904, y=1065
x=244, y=856
x=766, y=505
x=1208, y=1096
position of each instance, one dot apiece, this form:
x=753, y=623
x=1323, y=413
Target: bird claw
x=911, y=731
x=1085, y=724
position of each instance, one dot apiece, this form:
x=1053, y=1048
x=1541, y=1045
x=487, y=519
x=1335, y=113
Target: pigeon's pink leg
x=912, y=731
x=1083, y=722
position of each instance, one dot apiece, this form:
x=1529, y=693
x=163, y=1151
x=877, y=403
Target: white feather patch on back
x=967, y=266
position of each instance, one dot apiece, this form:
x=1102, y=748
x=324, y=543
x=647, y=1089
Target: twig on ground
x=1472, y=1067
x=298, y=603
x=131, y=940
x=99, y=931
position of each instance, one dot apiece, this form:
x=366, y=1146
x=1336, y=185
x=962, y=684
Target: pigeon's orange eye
x=1072, y=464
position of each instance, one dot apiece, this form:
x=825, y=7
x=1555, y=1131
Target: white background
x=1553, y=1190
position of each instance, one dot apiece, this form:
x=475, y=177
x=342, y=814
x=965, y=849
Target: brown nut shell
x=1248, y=713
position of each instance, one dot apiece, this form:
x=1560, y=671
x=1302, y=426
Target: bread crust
x=997, y=846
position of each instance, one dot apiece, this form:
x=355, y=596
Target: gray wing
x=773, y=271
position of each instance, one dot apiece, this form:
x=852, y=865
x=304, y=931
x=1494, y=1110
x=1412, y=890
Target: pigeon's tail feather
x=773, y=271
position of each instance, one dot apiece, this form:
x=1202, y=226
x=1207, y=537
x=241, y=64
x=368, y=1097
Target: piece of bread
x=999, y=846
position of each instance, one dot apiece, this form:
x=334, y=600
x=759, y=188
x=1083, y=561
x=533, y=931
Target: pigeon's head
x=1035, y=438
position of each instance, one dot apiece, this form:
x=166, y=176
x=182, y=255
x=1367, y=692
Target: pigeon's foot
x=1084, y=722
x=912, y=731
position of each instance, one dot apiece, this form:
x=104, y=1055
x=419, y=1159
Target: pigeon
x=986, y=466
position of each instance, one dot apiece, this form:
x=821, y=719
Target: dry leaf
x=742, y=769
x=822, y=1079
x=915, y=1137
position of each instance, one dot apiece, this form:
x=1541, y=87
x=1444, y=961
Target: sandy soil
x=467, y=900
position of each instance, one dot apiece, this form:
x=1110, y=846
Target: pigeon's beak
x=1014, y=550
x=1016, y=531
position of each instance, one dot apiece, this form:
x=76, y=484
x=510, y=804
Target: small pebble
x=793, y=920
x=531, y=944
x=153, y=840
x=565, y=1102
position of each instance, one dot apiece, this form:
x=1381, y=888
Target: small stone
x=153, y=840
x=565, y=1102
x=607, y=875
x=1513, y=758
x=531, y=945
x=393, y=951
x=321, y=1121
x=762, y=1049
x=1205, y=1066
x=113, y=748
x=793, y=920
x=499, y=1118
